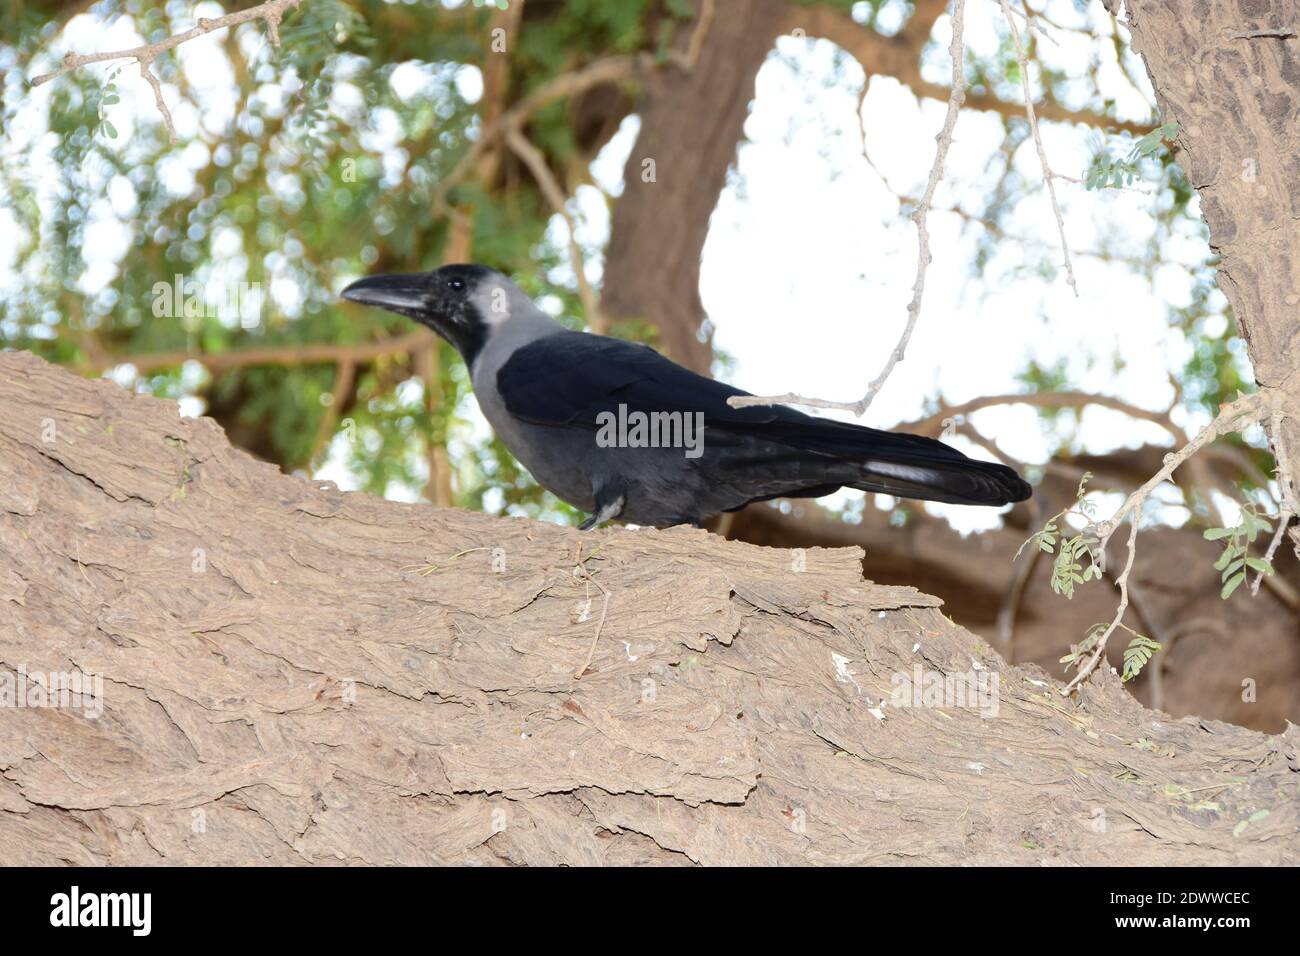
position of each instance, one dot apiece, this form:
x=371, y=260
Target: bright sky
x=808, y=266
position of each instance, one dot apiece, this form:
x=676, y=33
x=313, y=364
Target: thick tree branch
x=900, y=58
x=287, y=355
x=280, y=686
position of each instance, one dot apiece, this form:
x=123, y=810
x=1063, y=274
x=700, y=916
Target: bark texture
x=1228, y=72
x=1236, y=660
x=294, y=675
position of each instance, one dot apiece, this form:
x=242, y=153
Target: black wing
x=570, y=378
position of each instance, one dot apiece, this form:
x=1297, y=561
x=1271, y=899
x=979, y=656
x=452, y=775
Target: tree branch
x=899, y=58
x=1229, y=419
x=1049, y=178
x=598, y=73
x=933, y=424
x=536, y=163
x=943, y=141
x=272, y=11
x=287, y=355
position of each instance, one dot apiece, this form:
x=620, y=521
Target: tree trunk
x=1228, y=72
x=295, y=675
x=691, y=123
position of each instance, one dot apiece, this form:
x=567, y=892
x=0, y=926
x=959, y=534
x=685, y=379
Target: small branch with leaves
x=271, y=12
x=1068, y=569
x=1109, y=172
x=1236, y=561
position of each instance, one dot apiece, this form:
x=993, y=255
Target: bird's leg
x=609, y=505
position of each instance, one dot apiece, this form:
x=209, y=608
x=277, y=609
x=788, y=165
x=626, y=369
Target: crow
x=619, y=431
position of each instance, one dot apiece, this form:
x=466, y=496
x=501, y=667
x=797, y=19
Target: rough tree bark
x=296, y=675
x=1214, y=650
x=1228, y=72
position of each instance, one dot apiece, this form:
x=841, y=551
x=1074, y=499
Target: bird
x=619, y=431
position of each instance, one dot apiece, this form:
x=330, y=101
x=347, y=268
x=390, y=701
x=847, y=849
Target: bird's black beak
x=437, y=300
x=397, y=293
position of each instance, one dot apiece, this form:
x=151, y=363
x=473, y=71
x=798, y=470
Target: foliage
x=1137, y=654
x=1108, y=171
x=1235, y=561
x=1069, y=551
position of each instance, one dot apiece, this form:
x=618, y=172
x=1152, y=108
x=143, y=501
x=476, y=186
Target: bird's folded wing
x=568, y=379
x=571, y=378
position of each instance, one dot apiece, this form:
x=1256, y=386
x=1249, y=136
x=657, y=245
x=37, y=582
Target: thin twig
x=1229, y=419
x=956, y=97
x=600, y=624
x=598, y=73
x=1029, y=16
x=272, y=11
x=1076, y=400
x=1048, y=176
x=1282, y=34
x=1283, y=521
x=1122, y=583
x=536, y=163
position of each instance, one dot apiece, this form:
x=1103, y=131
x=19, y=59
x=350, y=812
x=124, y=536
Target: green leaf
x=1233, y=583
x=1260, y=565
x=1139, y=651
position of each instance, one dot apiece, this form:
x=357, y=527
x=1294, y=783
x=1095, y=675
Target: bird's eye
x=456, y=285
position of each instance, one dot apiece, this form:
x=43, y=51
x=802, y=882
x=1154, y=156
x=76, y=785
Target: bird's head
x=462, y=303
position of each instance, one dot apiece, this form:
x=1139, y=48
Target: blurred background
x=729, y=181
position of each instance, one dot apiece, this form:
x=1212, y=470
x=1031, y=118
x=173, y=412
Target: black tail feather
x=907, y=466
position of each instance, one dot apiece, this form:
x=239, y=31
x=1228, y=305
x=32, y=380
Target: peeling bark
x=295, y=675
